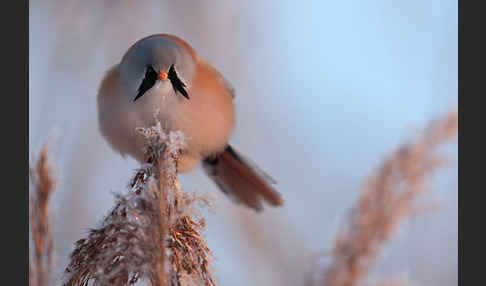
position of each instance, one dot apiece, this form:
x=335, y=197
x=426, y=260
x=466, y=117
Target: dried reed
x=387, y=198
x=43, y=182
x=154, y=230
x=152, y=233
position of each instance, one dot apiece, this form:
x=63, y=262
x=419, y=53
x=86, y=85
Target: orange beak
x=162, y=75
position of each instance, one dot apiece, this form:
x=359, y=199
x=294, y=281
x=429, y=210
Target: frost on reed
x=153, y=233
x=40, y=250
x=387, y=198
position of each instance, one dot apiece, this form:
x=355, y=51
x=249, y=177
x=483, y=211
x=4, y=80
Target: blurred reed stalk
x=388, y=197
x=41, y=242
x=152, y=233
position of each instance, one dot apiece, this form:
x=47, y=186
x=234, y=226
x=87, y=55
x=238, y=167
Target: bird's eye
x=177, y=83
x=147, y=83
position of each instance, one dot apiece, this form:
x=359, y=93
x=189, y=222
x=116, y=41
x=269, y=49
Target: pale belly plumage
x=207, y=123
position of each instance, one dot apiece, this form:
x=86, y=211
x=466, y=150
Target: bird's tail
x=241, y=179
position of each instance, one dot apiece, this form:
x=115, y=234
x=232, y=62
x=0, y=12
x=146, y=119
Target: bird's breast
x=206, y=118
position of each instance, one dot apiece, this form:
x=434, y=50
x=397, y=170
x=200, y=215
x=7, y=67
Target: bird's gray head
x=156, y=63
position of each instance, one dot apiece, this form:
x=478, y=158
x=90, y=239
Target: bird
x=163, y=72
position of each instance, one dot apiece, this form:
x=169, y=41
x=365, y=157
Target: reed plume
x=40, y=250
x=388, y=197
x=152, y=233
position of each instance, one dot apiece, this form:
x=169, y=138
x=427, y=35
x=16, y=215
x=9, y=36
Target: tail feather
x=241, y=179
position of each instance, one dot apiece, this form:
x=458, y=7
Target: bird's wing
x=221, y=78
x=228, y=86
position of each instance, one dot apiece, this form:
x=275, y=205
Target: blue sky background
x=324, y=90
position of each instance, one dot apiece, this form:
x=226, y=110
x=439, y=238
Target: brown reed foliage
x=43, y=182
x=152, y=233
x=388, y=197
